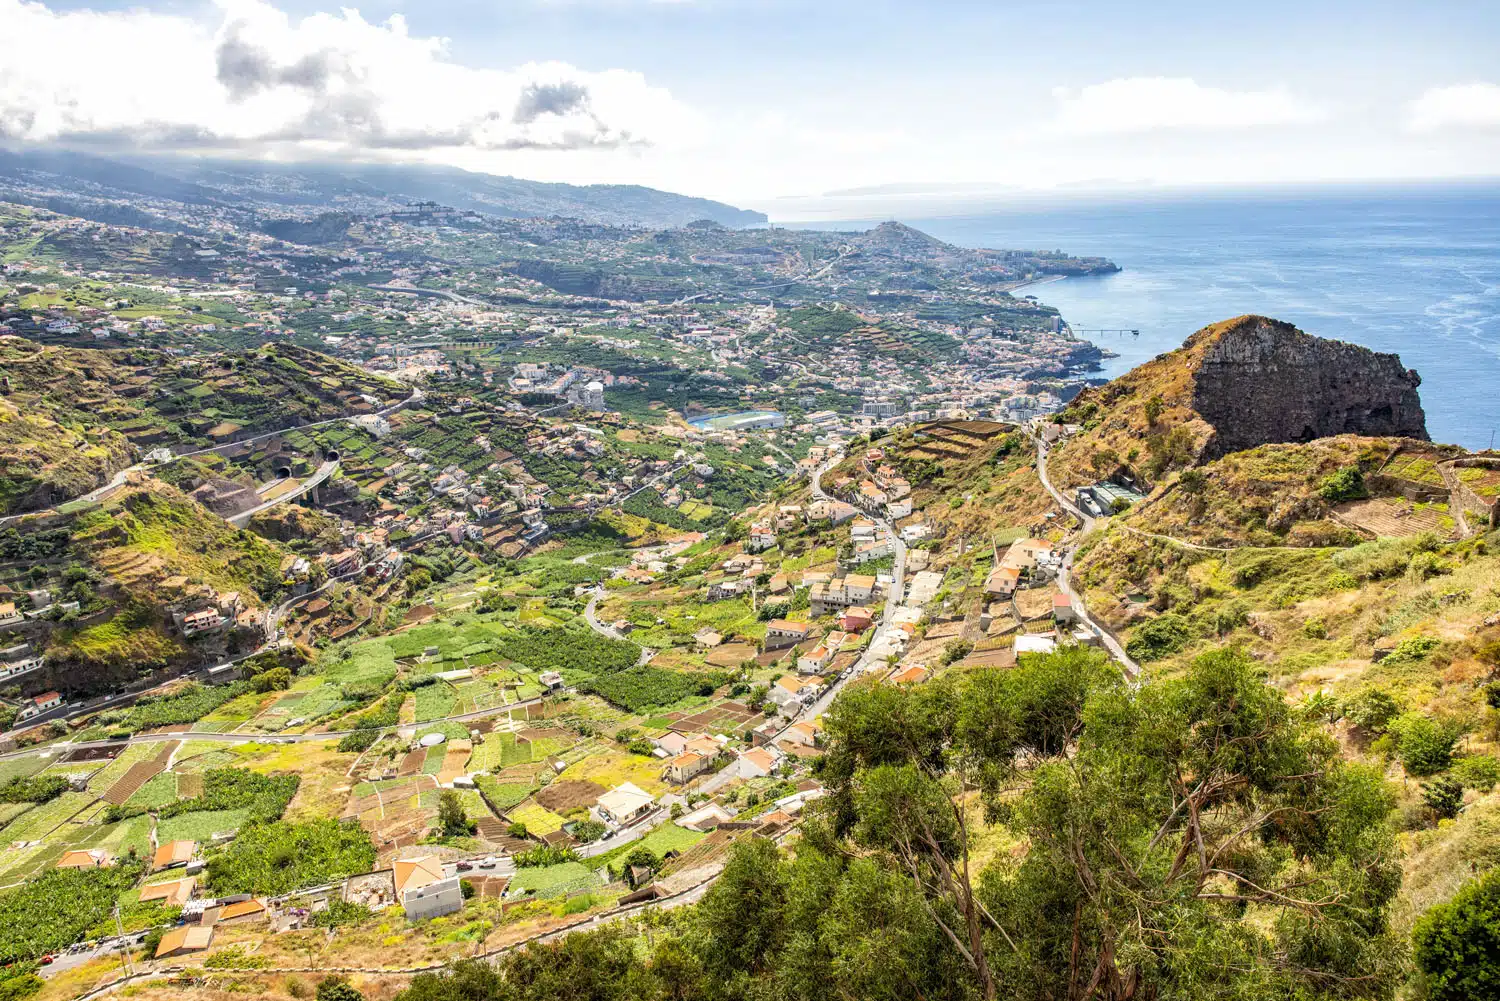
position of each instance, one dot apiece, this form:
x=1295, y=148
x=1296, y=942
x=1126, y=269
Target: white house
x=622, y=805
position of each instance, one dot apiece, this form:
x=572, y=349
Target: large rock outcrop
x=1260, y=381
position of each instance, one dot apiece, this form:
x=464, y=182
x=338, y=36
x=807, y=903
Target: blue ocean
x=1413, y=270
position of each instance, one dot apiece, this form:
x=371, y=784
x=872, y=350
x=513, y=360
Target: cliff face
x=1262, y=381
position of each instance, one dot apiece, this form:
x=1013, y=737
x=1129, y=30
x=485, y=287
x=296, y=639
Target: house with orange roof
x=757, y=763
x=173, y=853
x=913, y=675
x=93, y=858
x=184, y=939
x=173, y=893
x=687, y=766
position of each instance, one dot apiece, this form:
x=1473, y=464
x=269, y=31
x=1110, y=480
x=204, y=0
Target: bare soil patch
x=570, y=794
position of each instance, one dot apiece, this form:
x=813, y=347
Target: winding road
x=1064, y=573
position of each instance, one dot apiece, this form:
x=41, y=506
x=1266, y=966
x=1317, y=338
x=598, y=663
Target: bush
x=1425, y=745
x=279, y=857
x=1457, y=945
x=340, y=913
x=588, y=830
x=466, y=887
x=517, y=830
x=277, y=679
x=34, y=790
x=1444, y=796
x=1159, y=637
x=337, y=989
x=543, y=855
x=1346, y=484
x=1479, y=772
x=1371, y=709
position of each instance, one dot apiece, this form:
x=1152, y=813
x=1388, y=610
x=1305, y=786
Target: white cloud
x=1462, y=106
x=1147, y=104
x=252, y=78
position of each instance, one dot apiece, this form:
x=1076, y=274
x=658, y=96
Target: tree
x=1444, y=796
x=451, y=816
x=1153, y=409
x=275, y=680
x=337, y=989
x=1425, y=745
x=1457, y=945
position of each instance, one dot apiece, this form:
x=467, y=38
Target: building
x=624, y=804
x=762, y=536
x=184, y=939
x=757, y=763
x=173, y=893
x=856, y=619
x=806, y=733
x=423, y=889
x=9, y=616
x=40, y=704
x=445, y=896
x=93, y=858
x=202, y=621
x=836, y=595
x=706, y=639
x=816, y=660
x=1034, y=643
x=1063, y=610
x=174, y=853
x=781, y=634
x=592, y=397
x=551, y=680
x=687, y=766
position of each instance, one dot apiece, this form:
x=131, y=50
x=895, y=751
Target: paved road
x=119, y=478
x=1064, y=575
x=444, y=293
x=312, y=482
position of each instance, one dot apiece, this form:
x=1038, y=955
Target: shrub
x=337, y=989
x=1425, y=745
x=543, y=855
x=1444, y=796
x=588, y=830
x=1346, y=484
x=279, y=857
x=1159, y=637
x=1412, y=650
x=277, y=679
x=1371, y=709
x=1457, y=945
x=1479, y=772
x=33, y=790
x=517, y=830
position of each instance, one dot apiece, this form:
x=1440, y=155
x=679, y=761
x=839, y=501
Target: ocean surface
x=1411, y=270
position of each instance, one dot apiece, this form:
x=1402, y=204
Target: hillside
x=1235, y=385
x=130, y=562
x=155, y=399
x=45, y=463
x=92, y=187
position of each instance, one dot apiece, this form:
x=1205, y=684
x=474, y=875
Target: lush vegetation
x=263, y=796
x=59, y=907
x=1191, y=838
x=40, y=789
x=640, y=689
x=279, y=857
x=1457, y=944
x=187, y=705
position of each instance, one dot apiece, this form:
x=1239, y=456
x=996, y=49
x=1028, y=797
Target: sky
x=803, y=109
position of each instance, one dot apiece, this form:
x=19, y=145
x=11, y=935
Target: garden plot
x=138, y=775
x=539, y=820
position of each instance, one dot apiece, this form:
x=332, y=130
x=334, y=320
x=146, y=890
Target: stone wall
x=1261, y=381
